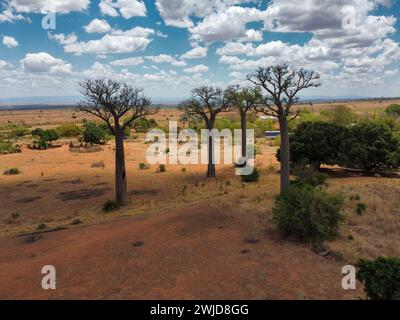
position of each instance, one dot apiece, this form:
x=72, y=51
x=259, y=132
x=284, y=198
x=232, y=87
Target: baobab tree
x=282, y=84
x=243, y=100
x=206, y=102
x=118, y=105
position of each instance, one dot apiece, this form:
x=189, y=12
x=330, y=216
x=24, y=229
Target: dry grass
x=57, y=187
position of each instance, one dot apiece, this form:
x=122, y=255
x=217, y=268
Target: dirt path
x=196, y=253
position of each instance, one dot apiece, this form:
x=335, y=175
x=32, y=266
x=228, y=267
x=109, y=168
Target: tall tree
x=282, y=84
x=206, y=102
x=243, y=100
x=118, y=105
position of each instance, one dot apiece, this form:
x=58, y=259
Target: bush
x=393, y=110
x=143, y=125
x=93, y=133
x=361, y=208
x=142, y=166
x=12, y=172
x=69, y=130
x=341, y=115
x=253, y=177
x=308, y=176
x=110, y=206
x=46, y=135
x=162, y=168
x=18, y=132
x=381, y=278
x=308, y=214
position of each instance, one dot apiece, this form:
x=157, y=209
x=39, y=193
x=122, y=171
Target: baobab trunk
x=211, y=165
x=243, y=125
x=284, y=154
x=121, y=192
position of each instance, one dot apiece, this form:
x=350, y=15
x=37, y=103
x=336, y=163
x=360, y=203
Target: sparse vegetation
x=41, y=226
x=98, y=164
x=12, y=172
x=361, y=208
x=69, y=130
x=7, y=147
x=110, y=206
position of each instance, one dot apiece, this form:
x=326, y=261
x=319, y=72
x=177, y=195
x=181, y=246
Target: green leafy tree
x=317, y=143
x=372, y=147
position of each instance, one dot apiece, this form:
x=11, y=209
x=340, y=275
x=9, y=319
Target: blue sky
x=170, y=46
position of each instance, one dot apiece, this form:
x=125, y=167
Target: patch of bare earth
x=194, y=253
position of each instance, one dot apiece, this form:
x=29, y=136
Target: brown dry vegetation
x=185, y=210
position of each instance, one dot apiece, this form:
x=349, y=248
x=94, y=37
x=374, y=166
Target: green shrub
x=361, y=208
x=317, y=143
x=253, y=177
x=110, y=206
x=381, y=278
x=12, y=172
x=162, y=168
x=142, y=166
x=143, y=125
x=341, y=115
x=308, y=176
x=393, y=110
x=46, y=135
x=371, y=147
x=308, y=214
x=93, y=133
x=69, y=130
x=18, y=132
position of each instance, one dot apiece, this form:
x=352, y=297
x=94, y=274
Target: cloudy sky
x=170, y=46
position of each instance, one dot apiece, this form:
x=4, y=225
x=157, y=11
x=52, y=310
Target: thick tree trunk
x=284, y=153
x=211, y=165
x=121, y=191
x=243, y=125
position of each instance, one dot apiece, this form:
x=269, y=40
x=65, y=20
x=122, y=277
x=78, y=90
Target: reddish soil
x=193, y=253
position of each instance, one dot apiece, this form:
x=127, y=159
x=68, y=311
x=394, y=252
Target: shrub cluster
x=44, y=137
x=307, y=212
x=93, y=133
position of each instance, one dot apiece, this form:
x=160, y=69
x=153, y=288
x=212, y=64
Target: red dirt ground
x=193, y=253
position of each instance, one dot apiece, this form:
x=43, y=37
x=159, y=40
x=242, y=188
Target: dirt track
x=195, y=253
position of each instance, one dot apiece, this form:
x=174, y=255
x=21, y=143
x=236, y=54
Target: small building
x=272, y=134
